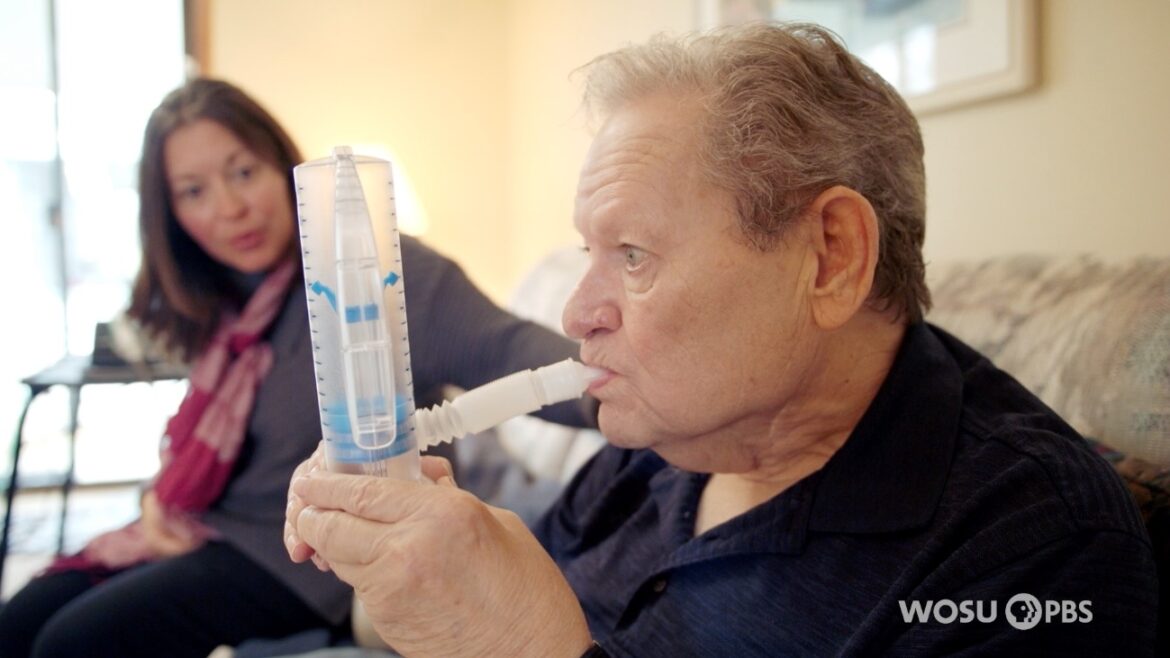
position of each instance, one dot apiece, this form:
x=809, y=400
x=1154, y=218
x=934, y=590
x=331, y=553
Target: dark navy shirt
x=958, y=490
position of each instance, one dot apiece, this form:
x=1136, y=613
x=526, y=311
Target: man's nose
x=589, y=310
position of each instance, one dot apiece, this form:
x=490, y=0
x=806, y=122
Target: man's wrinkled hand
x=438, y=571
x=297, y=549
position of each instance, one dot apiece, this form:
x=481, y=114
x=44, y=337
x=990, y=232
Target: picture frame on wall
x=939, y=54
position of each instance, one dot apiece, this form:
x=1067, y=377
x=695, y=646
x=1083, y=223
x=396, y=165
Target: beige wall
x=1079, y=164
x=474, y=97
x=421, y=78
x=550, y=39
x=471, y=96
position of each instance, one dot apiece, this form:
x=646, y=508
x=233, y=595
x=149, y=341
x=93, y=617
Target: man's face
x=705, y=337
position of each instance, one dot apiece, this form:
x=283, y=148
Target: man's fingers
x=345, y=519
x=320, y=562
x=315, y=462
x=342, y=538
x=386, y=500
x=298, y=550
x=437, y=469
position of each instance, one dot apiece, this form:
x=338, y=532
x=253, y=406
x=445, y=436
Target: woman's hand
x=438, y=571
x=166, y=538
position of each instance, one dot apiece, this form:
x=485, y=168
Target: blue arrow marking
x=322, y=289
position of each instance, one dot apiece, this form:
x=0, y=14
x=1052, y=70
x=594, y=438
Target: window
x=78, y=79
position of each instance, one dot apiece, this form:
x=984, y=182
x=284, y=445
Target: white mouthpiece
x=493, y=403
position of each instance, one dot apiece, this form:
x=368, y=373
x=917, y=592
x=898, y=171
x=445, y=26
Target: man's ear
x=845, y=237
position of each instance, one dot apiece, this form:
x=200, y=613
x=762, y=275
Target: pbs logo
x=1024, y=611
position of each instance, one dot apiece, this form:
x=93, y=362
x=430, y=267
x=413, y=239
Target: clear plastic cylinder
x=355, y=288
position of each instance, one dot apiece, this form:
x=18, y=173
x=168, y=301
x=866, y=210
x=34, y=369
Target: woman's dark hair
x=180, y=291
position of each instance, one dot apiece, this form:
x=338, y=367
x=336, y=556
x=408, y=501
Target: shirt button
x=659, y=586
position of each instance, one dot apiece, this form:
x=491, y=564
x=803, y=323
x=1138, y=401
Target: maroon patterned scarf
x=204, y=437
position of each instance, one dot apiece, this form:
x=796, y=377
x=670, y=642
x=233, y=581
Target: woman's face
x=231, y=202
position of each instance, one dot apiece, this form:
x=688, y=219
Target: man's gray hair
x=789, y=113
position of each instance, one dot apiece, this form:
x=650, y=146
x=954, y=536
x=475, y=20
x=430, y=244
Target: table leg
x=10, y=492
x=67, y=485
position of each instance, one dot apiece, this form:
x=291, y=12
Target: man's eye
x=634, y=257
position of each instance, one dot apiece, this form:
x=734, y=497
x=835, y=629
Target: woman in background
x=220, y=287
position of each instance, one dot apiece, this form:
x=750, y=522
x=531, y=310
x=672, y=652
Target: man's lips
x=601, y=380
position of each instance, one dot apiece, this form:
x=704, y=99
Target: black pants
x=183, y=606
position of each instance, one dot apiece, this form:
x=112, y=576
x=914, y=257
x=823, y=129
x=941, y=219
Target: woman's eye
x=244, y=173
x=634, y=257
x=189, y=193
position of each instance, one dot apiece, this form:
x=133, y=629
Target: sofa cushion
x=1091, y=338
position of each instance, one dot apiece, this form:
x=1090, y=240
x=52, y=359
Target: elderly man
x=799, y=465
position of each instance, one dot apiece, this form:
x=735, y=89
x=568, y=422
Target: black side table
x=73, y=372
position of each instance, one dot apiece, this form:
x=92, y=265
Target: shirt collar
x=890, y=473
